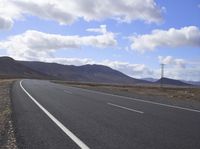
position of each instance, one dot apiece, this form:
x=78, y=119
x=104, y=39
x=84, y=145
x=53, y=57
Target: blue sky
x=118, y=34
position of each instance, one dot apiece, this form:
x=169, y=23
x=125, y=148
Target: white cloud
x=33, y=44
x=133, y=70
x=68, y=11
x=68, y=61
x=169, y=60
x=102, y=29
x=5, y=23
x=8, y=13
x=186, y=36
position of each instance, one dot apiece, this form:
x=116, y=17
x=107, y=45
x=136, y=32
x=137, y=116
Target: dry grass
x=7, y=139
x=169, y=92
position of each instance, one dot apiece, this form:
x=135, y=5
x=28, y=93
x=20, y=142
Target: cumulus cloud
x=8, y=13
x=68, y=61
x=57, y=10
x=133, y=70
x=169, y=60
x=186, y=36
x=102, y=29
x=33, y=43
x=5, y=23
x=68, y=11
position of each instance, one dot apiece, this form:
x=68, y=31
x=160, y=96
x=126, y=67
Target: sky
x=131, y=36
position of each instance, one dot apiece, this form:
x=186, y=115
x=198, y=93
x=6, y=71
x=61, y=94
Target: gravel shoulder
x=7, y=136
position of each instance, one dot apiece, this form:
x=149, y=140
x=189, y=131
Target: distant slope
x=150, y=79
x=85, y=73
x=192, y=82
x=169, y=81
x=9, y=68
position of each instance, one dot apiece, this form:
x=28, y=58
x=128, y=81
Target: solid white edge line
x=146, y=101
x=122, y=107
x=58, y=123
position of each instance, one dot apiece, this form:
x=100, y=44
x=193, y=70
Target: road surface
x=52, y=116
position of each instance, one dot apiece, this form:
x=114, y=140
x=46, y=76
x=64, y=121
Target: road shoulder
x=7, y=136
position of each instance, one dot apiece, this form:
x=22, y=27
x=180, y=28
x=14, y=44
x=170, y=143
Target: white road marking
x=58, y=123
x=122, y=107
x=145, y=101
x=68, y=92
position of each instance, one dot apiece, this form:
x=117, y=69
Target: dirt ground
x=7, y=137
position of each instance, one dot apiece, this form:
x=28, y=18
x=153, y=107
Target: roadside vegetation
x=7, y=137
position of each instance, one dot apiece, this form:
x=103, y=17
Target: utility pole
x=162, y=74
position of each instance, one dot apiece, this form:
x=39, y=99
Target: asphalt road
x=52, y=116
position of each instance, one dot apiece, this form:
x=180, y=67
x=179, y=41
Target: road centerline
x=144, y=101
x=125, y=108
x=68, y=92
x=81, y=144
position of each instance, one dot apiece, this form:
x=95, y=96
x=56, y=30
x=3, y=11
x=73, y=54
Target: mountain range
x=10, y=68
x=85, y=73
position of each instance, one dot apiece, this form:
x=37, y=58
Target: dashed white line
x=68, y=92
x=81, y=144
x=145, y=101
x=122, y=107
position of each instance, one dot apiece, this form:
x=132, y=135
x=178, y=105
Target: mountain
x=192, y=82
x=150, y=79
x=169, y=81
x=85, y=73
x=9, y=68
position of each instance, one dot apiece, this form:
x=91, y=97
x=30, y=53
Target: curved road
x=52, y=116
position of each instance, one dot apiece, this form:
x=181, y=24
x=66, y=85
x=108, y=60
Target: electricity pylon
x=162, y=75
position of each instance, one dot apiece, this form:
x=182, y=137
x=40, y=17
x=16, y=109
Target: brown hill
x=169, y=81
x=9, y=68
